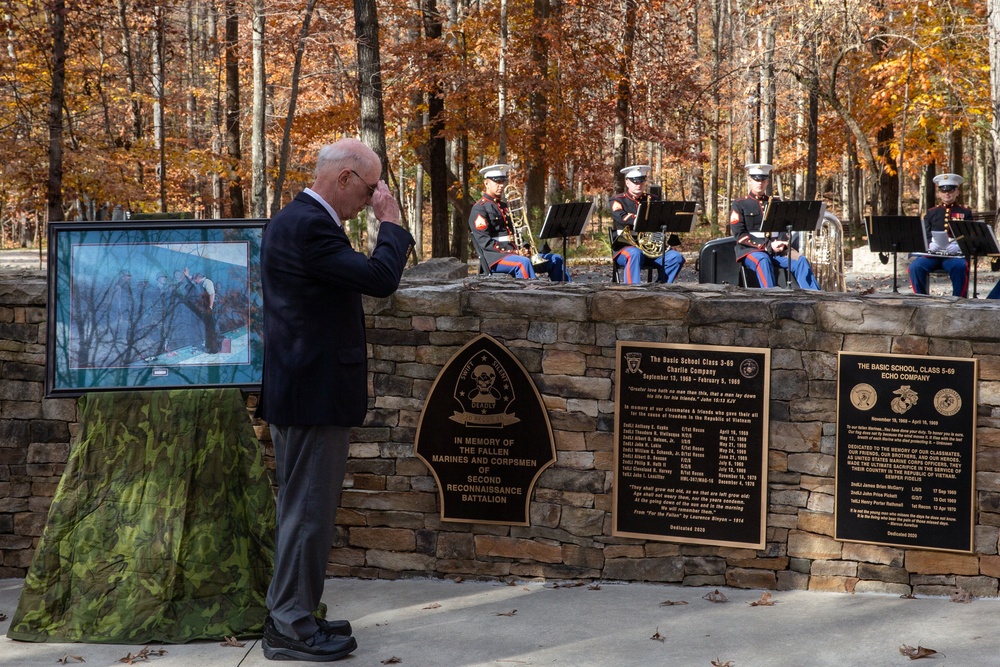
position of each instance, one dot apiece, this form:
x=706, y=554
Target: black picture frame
x=122, y=314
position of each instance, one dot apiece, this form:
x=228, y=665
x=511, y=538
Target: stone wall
x=565, y=335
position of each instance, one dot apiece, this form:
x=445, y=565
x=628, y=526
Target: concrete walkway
x=437, y=623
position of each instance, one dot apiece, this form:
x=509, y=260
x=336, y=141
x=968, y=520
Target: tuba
x=520, y=229
x=650, y=243
x=825, y=251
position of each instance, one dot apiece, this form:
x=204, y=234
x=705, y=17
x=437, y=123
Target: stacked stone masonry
x=565, y=336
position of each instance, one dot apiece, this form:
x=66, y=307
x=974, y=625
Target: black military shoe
x=340, y=628
x=321, y=647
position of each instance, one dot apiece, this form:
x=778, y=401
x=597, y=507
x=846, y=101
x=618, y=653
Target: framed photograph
x=154, y=305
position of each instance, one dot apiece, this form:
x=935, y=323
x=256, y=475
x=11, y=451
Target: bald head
x=345, y=154
x=347, y=173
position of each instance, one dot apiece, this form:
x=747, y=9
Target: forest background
x=216, y=108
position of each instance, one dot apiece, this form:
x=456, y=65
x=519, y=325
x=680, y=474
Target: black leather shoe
x=339, y=628
x=321, y=647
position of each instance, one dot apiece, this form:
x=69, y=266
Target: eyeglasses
x=371, y=188
x=638, y=180
x=760, y=178
x=947, y=188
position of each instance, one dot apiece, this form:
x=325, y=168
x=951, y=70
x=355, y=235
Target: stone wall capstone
x=388, y=524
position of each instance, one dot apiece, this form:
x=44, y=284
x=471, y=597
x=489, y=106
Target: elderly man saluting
x=315, y=385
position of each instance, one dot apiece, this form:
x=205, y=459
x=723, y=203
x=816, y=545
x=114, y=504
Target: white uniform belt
x=503, y=239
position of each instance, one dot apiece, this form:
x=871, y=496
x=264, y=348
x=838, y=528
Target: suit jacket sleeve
x=315, y=355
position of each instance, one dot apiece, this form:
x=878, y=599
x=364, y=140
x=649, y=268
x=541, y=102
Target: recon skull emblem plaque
x=485, y=435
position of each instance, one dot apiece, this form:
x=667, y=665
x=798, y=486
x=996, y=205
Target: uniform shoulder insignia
x=616, y=205
x=734, y=217
x=481, y=223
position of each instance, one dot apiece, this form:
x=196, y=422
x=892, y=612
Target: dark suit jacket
x=315, y=356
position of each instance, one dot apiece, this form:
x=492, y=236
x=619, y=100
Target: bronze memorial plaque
x=906, y=451
x=485, y=435
x=691, y=443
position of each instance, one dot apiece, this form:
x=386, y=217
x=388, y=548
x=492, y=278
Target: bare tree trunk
x=57, y=94
x=768, y=92
x=994, y=46
x=258, y=148
x=293, y=96
x=236, y=207
x=218, y=179
x=437, y=153
x=193, y=55
x=370, y=94
x=534, y=182
x=130, y=78
x=416, y=124
x=812, y=145
x=623, y=96
x=956, y=152
x=712, y=206
x=888, y=172
x=984, y=173
x=502, y=83
x=270, y=150
x=459, y=151
x=158, y=101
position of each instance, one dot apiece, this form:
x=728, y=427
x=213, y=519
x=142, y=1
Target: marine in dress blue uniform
x=945, y=257
x=493, y=229
x=764, y=255
x=624, y=207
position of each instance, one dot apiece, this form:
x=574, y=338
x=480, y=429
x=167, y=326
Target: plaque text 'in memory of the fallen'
x=485, y=435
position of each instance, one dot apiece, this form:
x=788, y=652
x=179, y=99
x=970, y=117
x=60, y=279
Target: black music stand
x=792, y=216
x=666, y=217
x=565, y=220
x=976, y=239
x=895, y=234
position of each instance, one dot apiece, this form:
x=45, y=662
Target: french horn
x=650, y=243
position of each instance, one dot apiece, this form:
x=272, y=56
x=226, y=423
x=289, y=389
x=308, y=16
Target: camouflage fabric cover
x=162, y=528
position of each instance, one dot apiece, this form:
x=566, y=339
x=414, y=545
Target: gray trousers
x=311, y=462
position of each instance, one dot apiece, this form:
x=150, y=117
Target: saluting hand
x=384, y=204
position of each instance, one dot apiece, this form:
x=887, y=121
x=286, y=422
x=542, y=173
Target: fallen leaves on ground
x=594, y=587
x=233, y=643
x=916, y=653
x=658, y=637
x=392, y=661
x=66, y=659
x=961, y=595
x=764, y=601
x=3, y=617
x=719, y=663
x=507, y=613
x=671, y=603
x=432, y=605
x=908, y=596
x=716, y=596
x=568, y=584
x=143, y=656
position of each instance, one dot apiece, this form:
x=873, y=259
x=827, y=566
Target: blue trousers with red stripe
x=520, y=266
x=633, y=261
x=957, y=268
x=764, y=266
